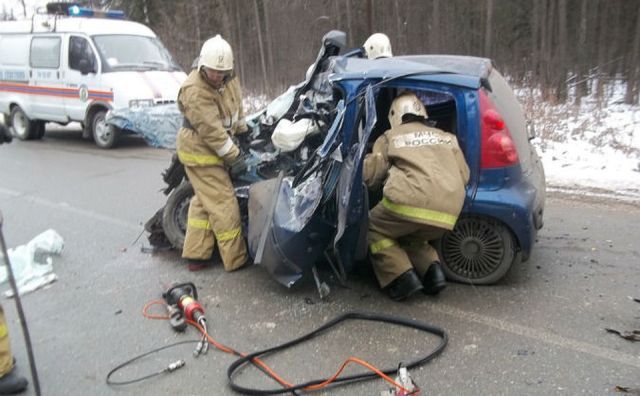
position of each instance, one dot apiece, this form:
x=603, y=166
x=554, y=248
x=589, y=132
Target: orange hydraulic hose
x=268, y=370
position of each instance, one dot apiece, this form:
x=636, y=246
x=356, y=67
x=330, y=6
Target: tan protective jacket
x=425, y=173
x=213, y=114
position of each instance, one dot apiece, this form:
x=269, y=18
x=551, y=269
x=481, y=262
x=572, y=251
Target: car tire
x=23, y=127
x=174, y=214
x=104, y=135
x=478, y=251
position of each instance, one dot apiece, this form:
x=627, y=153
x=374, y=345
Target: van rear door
x=14, y=72
x=46, y=86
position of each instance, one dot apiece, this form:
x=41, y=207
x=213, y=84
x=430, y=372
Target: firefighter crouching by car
x=211, y=102
x=424, y=174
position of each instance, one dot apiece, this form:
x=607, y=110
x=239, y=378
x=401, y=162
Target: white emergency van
x=76, y=67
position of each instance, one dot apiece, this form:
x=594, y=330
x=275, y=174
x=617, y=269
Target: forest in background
x=567, y=48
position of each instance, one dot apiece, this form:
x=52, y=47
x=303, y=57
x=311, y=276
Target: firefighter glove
x=237, y=166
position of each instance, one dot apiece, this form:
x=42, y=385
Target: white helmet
x=378, y=46
x=216, y=54
x=407, y=103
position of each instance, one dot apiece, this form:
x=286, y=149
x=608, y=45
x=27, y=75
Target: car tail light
x=497, y=147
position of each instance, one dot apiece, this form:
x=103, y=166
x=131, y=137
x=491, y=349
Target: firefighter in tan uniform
x=211, y=102
x=424, y=174
x=10, y=381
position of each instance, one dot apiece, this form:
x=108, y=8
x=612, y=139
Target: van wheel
x=23, y=127
x=175, y=214
x=105, y=135
x=478, y=251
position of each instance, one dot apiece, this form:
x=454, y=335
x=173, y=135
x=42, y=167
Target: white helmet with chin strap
x=216, y=54
x=378, y=46
x=407, y=103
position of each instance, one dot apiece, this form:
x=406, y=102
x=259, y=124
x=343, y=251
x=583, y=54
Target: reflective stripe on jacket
x=423, y=171
x=212, y=115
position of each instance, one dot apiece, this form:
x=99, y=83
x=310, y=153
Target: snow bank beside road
x=593, y=147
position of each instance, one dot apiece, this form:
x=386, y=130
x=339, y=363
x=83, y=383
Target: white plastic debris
x=32, y=263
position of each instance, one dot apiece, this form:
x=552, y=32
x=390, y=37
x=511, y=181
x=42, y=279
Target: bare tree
x=633, y=85
x=488, y=29
x=434, y=29
x=561, y=58
x=581, y=72
x=265, y=85
x=24, y=8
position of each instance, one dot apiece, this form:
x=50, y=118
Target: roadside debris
x=633, y=335
x=32, y=263
x=626, y=389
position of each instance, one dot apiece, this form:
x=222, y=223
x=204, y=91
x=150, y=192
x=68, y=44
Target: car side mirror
x=85, y=66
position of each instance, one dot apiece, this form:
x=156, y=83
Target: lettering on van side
x=44, y=74
x=13, y=75
x=420, y=138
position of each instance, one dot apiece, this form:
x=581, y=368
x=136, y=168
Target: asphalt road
x=540, y=331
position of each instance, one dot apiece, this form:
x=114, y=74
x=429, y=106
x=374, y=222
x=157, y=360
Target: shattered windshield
x=129, y=52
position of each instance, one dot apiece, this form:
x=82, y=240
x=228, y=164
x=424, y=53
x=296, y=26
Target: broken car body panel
x=307, y=204
x=451, y=79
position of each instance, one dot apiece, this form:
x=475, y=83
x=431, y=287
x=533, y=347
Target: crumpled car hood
x=158, y=125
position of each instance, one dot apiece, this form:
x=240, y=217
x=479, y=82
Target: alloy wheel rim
x=19, y=123
x=473, y=250
x=103, y=132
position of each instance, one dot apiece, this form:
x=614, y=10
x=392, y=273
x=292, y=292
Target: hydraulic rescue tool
x=183, y=297
x=182, y=303
x=407, y=386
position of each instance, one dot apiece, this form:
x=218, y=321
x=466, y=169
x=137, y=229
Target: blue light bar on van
x=77, y=11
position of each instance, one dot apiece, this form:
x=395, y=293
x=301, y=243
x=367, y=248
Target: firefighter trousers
x=398, y=244
x=214, y=216
x=6, y=358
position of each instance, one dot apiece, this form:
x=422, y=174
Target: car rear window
x=507, y=104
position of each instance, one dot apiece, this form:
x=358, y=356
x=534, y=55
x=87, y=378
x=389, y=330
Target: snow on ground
x=592, y=147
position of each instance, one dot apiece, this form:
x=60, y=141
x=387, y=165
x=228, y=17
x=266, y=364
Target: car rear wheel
x=105, y=135
x=479, y=251
x=175, y=214
x=23, y=127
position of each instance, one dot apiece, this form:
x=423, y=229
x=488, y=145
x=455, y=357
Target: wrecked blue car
x=303, y=199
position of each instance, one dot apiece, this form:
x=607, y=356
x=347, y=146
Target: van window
x=79, y=49
x=45, y=52
x=128, y=52
x=14, y=50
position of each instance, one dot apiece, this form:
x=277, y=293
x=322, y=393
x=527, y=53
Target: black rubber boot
x=404, y=286
x=434, y=281
x=12, y=383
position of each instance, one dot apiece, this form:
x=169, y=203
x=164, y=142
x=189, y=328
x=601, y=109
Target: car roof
x=466, y=71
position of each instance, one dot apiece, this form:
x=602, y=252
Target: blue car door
x=349, y=242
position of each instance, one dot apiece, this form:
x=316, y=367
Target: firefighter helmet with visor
x=407, y=103
x=216, y=54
